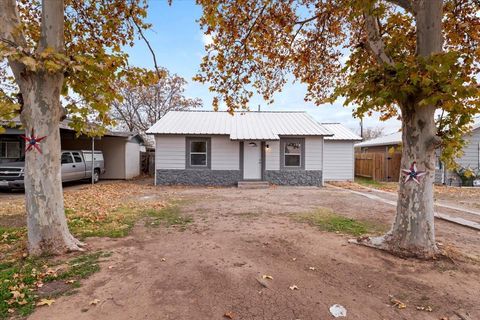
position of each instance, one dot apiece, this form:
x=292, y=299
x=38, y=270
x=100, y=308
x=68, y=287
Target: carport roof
x=242, y=125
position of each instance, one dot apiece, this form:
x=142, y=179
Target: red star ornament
x=413, y=174
x=33, y=142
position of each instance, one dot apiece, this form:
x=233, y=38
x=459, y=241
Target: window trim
x=188, y=153
x=283, y=142
x=6, y=142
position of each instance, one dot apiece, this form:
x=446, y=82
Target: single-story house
x=217, y=148
x=121, y=150
x=339, y=159
x=469, y=159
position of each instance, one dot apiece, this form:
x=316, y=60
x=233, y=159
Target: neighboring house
x=469, y=159
x=382, y=144
x=339, y=160
x=217, y=148
x=121, y=150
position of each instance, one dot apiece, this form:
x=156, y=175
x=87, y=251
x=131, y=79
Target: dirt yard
x=247, y=256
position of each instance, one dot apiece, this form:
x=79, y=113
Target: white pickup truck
x=76, y=165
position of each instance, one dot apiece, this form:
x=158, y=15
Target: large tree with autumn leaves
x=51, y=49
x=413, y=59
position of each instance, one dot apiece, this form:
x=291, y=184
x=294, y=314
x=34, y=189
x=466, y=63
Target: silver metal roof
x=340, y=132
x=241, y=125
x=390, y=139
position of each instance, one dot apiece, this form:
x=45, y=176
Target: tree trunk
x=413, y=232
x=46, y=221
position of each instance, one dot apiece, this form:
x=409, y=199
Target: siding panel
x=471, y=150
x=225, y=153
x=272, y=155
x=313, y=153
x=339, y=160
x=170, y=152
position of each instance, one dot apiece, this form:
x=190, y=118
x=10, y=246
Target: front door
x=252, y=160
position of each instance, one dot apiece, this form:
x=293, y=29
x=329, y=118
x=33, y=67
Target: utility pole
x=361, y=127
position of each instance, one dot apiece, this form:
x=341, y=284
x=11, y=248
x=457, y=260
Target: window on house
x=292, y=154
x=198, y=153
x=9, y=149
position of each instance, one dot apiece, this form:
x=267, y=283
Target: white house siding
x=170, y=152
x=339, y=160
x=272, y=155
x=225, y=153
x=132, y=159
x=313, y=153
x=470, y=156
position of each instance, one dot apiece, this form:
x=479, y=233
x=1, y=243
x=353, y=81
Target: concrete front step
x=253, y=184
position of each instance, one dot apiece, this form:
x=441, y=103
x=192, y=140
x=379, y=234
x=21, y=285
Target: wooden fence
x=378, y=166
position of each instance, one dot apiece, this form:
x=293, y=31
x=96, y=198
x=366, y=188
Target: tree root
x=386, y=243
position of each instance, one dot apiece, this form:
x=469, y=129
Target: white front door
x=252, y=160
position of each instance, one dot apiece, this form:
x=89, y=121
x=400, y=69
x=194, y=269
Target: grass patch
x=169, y=216
x=115, y=224
x=12, y=243
x=21, y=280
x=326, y=220
x=370, y=183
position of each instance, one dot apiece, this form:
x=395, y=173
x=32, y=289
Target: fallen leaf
x=228, y=314
x=397, y=303
x=312, y=268
x=94, y=302
x=11, y=310
x=23, y=302
x=163, y=260
x=70, y=281
x=45, y=302
x=424, y=308
x=17, y=294
x=293, y=287
x=294, y=259
x=265, y=276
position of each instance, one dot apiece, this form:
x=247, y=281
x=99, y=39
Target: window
x=67, y=158
x=198, y=153
x=292, y=154
x=9, y=149
x=77, y=157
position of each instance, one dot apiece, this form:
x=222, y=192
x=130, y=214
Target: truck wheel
x=96, y=176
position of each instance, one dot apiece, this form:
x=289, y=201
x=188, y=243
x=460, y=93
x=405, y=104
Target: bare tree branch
x=140, y=32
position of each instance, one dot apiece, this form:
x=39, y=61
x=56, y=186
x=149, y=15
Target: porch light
x=267, y=147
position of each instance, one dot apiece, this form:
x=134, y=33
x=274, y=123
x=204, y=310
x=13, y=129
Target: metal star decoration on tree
x=412, y=174
x=33, y=141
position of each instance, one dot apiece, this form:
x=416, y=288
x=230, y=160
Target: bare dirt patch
x=214, y=266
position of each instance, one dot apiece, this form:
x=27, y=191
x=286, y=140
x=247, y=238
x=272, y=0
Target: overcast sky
x=178, y=43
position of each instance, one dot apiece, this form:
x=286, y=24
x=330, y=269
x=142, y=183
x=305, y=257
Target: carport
x=121, y=150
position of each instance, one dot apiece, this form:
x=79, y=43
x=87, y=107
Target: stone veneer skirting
x=294, y=177
x=202, y=177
